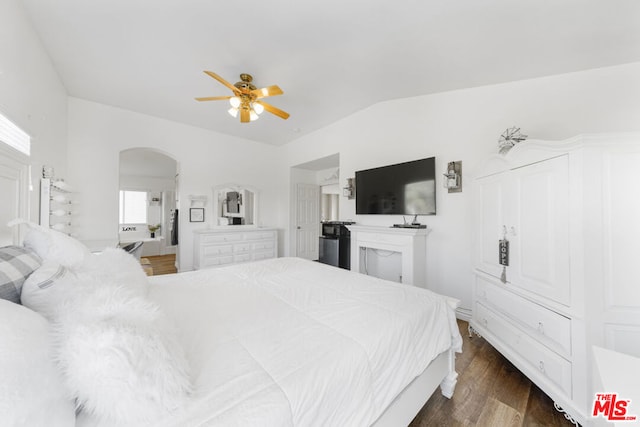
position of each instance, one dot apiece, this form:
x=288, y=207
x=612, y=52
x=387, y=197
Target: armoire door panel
x=490, y=222
x=539, y=229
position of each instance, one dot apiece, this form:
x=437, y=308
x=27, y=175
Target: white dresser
x=226, y=245
x=569, y=211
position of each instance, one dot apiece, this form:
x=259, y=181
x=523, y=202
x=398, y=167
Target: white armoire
x=570, y=212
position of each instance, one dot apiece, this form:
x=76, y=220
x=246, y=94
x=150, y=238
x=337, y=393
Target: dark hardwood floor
x=490, y=392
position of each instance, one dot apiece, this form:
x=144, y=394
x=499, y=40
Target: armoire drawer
x=544, y=362
x=548, y=327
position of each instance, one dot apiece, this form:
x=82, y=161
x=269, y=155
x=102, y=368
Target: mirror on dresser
x=235, y=205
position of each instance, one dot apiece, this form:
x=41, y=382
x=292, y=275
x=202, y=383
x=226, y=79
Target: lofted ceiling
x=330, y=57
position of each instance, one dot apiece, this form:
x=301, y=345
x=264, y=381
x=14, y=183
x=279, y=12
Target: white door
x=13, y=187
x=307, y=220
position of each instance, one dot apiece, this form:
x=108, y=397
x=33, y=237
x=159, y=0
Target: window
x=14, y=137
x=133, y=207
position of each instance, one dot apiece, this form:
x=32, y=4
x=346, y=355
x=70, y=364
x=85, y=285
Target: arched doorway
x=147, y=193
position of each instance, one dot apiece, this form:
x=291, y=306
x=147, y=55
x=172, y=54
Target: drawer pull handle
x=485, y=322
x=541, y=328
x=541, y=366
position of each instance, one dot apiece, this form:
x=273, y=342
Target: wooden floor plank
x=162, y=264
x=496, y=413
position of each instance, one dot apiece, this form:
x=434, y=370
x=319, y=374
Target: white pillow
x=47, y=289
x=31, y=387
x=53, y=245
x=113, y=265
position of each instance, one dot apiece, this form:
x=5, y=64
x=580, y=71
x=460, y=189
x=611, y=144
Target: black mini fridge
x=335, y=244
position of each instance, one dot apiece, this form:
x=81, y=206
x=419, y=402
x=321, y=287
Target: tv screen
x=402, y=189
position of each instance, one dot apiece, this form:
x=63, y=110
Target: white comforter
x=290, y=342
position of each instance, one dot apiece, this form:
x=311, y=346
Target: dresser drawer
x=220, y=238
x=213, y=250
x=548, y=327
x=242, y=257
x=217, y=261
x=263, y=255
x=260, y=235
x=544, y=362
x=242, y=247
x=263, y=245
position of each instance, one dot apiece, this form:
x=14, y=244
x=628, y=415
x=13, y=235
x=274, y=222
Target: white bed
x=280, y=342
x=290, y=342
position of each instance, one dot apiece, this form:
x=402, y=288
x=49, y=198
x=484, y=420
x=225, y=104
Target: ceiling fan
x=247, y=99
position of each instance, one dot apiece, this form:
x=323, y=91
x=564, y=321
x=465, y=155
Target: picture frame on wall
x=196, y=215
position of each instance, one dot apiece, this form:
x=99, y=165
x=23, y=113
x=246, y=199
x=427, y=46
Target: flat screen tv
x=402, y=189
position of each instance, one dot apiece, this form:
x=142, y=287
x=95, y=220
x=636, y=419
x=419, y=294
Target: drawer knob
x=541, y=328
x=541, y=366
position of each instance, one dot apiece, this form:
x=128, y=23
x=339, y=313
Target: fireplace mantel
x=411, y=243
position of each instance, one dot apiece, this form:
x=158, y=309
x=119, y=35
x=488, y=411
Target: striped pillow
x=16, y=264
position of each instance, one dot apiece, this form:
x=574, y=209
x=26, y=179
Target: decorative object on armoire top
x=453, y=177
x=246, y=98
x=350, y=190
x=509, y=138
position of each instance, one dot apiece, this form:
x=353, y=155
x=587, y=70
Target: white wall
x=97, y=134
x=32, y=95
x=465, y=125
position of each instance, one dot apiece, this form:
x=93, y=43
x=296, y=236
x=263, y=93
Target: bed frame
x=441, y=371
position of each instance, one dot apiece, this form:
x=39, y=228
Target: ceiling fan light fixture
x=246, y=100
x=257, y=108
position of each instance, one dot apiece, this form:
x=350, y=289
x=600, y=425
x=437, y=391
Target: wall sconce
x=453, y=177
x=350, y=190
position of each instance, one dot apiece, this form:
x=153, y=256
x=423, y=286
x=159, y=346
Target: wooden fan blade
x=267, y=91
x=213, y=98
x=273, y=110
x=223, y=81
x=244, y=115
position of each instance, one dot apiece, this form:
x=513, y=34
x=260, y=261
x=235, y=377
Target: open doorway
x=308, y=204
x=147, y=208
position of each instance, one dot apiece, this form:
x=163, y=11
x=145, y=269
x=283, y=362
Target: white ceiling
x=331, y=57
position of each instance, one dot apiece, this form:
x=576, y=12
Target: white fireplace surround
x=411, y=243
